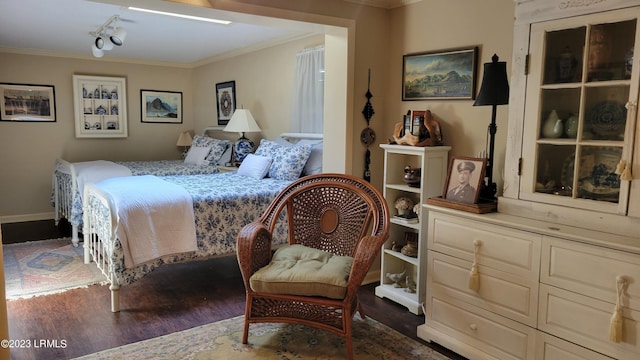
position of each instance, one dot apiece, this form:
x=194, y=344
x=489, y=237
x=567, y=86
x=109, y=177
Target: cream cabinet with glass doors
x=573, y=132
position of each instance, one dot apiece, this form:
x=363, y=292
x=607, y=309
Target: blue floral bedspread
x=62, y=180
x=223, y=203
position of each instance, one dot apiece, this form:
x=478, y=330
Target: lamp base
x=488, y=192
x=241, y=148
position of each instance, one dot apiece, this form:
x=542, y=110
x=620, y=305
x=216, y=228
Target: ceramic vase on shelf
x=571, y=126
x=553, y=126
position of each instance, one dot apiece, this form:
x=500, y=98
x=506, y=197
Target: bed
x=68, y=178
x=222, y=204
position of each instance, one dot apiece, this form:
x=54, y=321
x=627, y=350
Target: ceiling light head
x=99, y=43
x=118, y=36
x=96, y=52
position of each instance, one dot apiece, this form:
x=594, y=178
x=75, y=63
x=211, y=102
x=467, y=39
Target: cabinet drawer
x=591, y=270
x=552, y=348
x=499, y=292
x=501, y=248
x=492, y=334
x=585, y=321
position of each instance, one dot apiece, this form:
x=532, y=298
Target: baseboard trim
x=27, y=217
x=372, y=276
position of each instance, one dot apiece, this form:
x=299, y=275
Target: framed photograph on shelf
x=446, y=74
x=27, y=103
x=161, y=106
x=100, y=106
x=226, y=101
x=464, y=179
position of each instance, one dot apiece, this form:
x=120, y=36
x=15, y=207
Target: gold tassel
x=616, y=322
x=615, y=325
x=474, y=278
x=626, y=173
x=620, y=167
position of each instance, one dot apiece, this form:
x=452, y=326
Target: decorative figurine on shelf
x=411, y=247
x=404, y=205
x=411, y=285
x=412, y=176
x=397, y=278
x=430, y=133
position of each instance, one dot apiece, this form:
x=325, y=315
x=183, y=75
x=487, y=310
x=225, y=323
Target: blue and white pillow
x=217, y=146
x=287, y=161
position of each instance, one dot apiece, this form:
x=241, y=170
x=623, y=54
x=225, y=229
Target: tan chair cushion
x=301, y=270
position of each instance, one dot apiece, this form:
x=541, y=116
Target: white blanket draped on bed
x=155, y=217
x=94, y=171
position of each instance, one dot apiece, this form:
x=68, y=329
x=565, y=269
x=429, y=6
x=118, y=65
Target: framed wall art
x=161, y=106
x=464, y=179
x=100, y=106
x=447, y=74
x=26, y=103
x=226, y=100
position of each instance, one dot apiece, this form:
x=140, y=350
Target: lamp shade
x=184, y=139
x=495, y=86
x=242, y=121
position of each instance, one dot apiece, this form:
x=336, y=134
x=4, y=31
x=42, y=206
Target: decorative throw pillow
x=287, y=161
x=197, y=155
x=254, y=166
x=217, y=146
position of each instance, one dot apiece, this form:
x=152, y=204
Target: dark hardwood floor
x=172, y=298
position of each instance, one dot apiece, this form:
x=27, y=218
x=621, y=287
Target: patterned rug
x=45, y=267
x=222, y=340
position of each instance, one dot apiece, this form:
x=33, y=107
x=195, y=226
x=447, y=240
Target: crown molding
x=386, y=4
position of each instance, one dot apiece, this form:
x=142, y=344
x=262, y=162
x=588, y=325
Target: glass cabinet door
x=580, y=111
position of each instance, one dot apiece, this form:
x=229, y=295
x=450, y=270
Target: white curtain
x=308, y=91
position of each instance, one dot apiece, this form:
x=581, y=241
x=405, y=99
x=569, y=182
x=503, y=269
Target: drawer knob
x=615, y=325
x=473, y=327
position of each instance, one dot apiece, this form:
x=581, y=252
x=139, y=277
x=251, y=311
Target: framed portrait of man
x=464, y=179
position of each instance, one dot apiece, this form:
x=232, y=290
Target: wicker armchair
x=336, y=213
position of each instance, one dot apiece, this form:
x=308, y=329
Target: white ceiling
x=62, y=27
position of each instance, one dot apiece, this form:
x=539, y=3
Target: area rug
x=45, y=267
x=223, y=340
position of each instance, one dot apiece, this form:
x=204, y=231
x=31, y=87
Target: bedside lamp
x=185, y=141
x=494, y=91
x=242, y=121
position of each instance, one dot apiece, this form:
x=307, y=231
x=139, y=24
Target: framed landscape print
x=26, y=103
x=226, y=101
x=449, y=74
x=161, y=106
x=100, y=106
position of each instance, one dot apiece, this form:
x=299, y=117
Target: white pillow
x=197, y=155
x=255, y=166
x=314, y=164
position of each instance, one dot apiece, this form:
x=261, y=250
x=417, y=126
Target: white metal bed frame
x=98, y=251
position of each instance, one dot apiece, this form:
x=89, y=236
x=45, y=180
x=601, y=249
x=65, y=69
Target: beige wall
x=376, y=40
x=28, y=150
x=263, y=85
x=444, y=24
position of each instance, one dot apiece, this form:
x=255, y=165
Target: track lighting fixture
x=106, y=36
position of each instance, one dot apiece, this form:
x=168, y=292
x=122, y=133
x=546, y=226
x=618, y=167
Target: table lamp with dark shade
x=494, y=91
x=242, y=121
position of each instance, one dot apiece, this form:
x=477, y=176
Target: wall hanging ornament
x=368, y=136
